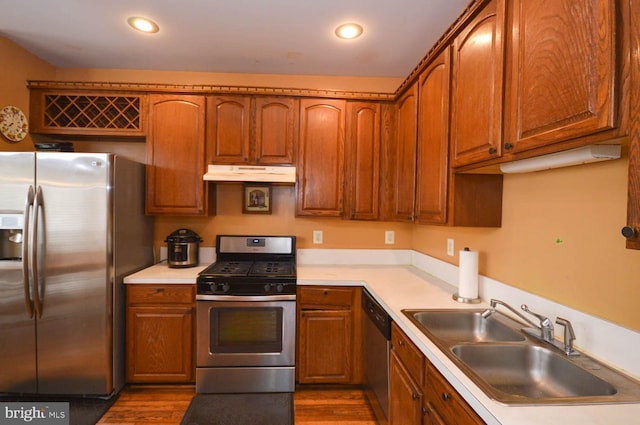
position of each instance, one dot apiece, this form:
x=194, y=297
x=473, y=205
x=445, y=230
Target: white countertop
x=399, y=287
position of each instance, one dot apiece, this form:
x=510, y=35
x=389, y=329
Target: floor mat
x=236, y=409
x=82, y=410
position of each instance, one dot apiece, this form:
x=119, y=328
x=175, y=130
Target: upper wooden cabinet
x=433, y=142
x=400, y=159
x=248, y=130
x=562, y=71
x=228, y=129
x=320, y=188
x=175, y=156
x=363, y=160
x=276, y=130
x=477, y=87
x=67, y=112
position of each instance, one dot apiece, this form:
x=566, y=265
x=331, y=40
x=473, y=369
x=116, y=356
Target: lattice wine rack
x=107, y=114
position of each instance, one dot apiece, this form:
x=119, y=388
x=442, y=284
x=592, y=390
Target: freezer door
x=74, y=273
x=17, y=328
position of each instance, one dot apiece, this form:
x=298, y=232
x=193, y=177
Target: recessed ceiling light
x=143, y=24
x=349, y=31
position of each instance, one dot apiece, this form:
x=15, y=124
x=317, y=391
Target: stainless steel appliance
x=183, y=247
x=376, y=341
x=73, y=226
x=246, y=316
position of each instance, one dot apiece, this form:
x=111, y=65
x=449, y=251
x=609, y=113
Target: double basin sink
x=515, y=369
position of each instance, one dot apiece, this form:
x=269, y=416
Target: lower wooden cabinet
x=443, y=404
x=329, y=335
x=160, y=333
x=419, y=394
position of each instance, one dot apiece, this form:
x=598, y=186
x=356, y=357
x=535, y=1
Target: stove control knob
x=267, y=287
x=225, y=287
x=279, y=287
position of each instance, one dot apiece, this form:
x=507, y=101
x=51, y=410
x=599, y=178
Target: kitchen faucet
x=542, y=331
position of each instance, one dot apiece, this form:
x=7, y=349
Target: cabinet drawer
x=408, y=353
x=320, y=297
x=447, y=402
x=160, y=294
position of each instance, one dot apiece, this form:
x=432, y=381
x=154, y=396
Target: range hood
x=250, y=173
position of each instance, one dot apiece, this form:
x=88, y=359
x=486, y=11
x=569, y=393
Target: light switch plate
x=450, y=247
x=317, y=236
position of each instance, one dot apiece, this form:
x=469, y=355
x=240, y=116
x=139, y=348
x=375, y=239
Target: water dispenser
x=11, y=226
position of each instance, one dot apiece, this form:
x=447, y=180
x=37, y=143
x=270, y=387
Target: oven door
x=237, y=331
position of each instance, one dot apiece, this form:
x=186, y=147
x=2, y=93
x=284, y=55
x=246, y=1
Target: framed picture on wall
x=256, y=198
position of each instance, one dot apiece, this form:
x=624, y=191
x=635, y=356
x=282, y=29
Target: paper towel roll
x=468, y=274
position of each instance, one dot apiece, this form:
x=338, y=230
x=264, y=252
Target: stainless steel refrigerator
x=72, y=225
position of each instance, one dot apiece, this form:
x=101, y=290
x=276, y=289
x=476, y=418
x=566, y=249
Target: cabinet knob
x=415, y=396
x=508, y=146
x=492, y=150
x=446, y=396
x=629, y=232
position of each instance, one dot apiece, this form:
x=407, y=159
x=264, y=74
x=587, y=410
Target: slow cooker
x=182, y=248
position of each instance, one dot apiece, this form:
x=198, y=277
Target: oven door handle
x=284, y=297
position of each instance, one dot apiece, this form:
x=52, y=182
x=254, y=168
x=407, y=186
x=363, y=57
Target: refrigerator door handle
x=38, y=207
x=28, y=207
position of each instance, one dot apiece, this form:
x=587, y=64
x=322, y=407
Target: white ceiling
x=237, y=36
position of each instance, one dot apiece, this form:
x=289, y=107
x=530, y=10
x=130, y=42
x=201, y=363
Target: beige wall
x=18, y=66
x=583, y=207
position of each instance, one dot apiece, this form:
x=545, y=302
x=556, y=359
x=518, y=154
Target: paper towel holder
x=460, y=299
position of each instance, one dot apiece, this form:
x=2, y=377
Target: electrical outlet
x=450, y=247
x=317, y=236
x=389, y=237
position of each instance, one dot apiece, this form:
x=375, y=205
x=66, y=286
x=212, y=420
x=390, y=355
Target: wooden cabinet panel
x=160, y=333
x=405, y=401
x=324, y=297
x=228, y=129
x=329, y=335
x=276, y=126
x=446, y=402
x=433, y=142
x=562, y=71
x=325, y=346
x=402, y=159
x=320, y=188
x=363, y=160
x=408, y=353
x=633, y=188
x=175, y=156
x=477, y=86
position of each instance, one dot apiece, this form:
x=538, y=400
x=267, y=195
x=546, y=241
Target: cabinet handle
x=492, y=150
x=415, y=396
x=325, y=293
x=400, y=343
x=446, y=396
x=508, y=146
x=629, y=232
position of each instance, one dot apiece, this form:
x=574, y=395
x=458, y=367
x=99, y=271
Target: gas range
x=251, y=265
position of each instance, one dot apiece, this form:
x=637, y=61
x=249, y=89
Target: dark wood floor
x=163, y=405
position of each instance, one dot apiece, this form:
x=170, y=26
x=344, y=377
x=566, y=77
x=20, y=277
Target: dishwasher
x=376, y=338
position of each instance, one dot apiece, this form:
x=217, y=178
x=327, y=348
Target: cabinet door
x=477, y=85
x=320, y=188
x=405, y=397
x=363, y=160
x=160, y=344
x=562, y=71
x=433, y=142
x=175, y=156
x=403, y=161
x=228, y=129
x=325, y=347
x=276, y=129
